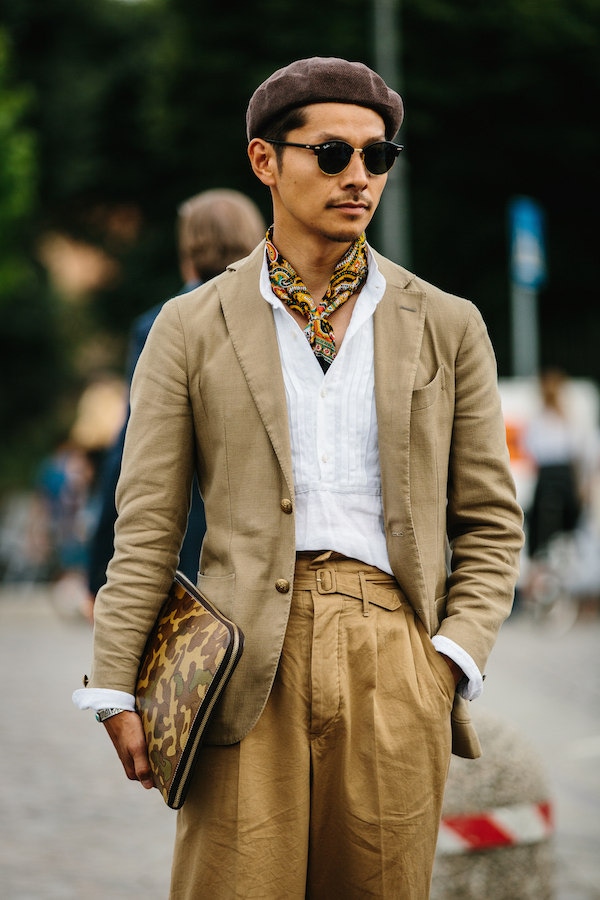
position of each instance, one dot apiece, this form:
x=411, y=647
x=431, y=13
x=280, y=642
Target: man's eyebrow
x=325, y=136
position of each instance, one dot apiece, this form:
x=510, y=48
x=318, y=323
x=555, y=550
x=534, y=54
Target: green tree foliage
x=29, y=370
x=89, y=67
x=139, y=105
x=87, y=64
x=500, y=99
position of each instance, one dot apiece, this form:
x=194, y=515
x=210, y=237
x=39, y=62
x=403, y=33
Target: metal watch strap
x=104, y=714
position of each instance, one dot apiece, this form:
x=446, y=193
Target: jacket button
x=287, y=506
x=282, y=585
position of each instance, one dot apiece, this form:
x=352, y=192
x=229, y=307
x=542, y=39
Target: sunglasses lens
x=380, y=157
x=334, y=157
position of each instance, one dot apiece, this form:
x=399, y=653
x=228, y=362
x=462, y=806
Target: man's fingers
x=143, y=773
x=126, y=732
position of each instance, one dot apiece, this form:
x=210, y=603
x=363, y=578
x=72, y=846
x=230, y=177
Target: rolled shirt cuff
x=471, y=686
x=103, y=698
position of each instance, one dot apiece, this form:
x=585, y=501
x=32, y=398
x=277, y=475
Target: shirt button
x=324, y=458
x=282, y=585
x=287, y=506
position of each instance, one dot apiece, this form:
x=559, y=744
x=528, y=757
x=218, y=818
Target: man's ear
x=263, y=160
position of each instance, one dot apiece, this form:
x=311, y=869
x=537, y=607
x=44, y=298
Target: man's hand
x=456, y=670
x=126, y=732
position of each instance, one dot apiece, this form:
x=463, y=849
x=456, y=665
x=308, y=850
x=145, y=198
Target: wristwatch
x=104, y=714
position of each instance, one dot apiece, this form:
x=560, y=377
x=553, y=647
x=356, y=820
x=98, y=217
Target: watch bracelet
x=103, y=714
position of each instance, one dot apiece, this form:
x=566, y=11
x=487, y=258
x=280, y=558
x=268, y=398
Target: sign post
x=393, y=212
x=528, y=273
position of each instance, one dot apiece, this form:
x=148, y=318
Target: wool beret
x=322, y=80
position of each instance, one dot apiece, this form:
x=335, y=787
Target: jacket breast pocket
x=427, y=395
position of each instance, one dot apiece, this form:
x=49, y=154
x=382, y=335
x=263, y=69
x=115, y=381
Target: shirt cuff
x=471, y=686
x=103, y=698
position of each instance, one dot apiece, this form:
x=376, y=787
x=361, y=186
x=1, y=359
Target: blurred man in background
x=214, y=228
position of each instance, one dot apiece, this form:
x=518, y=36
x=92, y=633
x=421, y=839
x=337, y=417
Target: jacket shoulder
x=439, y=304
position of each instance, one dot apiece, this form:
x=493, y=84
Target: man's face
x=332, y=208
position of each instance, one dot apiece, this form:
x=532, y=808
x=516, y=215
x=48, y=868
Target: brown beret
x=322, y=80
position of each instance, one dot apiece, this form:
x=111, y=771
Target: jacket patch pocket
x=426, y=396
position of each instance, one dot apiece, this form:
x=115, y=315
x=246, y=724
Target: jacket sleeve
x=152, y=499
x=484, y=520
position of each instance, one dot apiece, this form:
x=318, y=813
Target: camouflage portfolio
x=189, y=657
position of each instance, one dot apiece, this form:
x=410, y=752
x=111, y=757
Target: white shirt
x=337, y=482
x=333, y=432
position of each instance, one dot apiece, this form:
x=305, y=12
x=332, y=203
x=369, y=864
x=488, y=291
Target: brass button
x=282, y=585
x=287, y=506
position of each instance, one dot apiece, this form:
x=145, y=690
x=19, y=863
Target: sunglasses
x=334, y=157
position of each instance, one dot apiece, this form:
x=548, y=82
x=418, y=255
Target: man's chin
x=343, y=235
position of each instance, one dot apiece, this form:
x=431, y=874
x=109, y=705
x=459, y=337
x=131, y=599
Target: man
x=214, y=228
x=336, y=474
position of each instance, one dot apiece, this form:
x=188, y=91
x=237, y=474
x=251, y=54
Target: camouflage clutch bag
x=189, y=657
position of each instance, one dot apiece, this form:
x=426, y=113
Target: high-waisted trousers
x=337, y=791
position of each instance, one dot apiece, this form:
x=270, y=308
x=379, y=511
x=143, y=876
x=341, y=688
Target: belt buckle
x=326, y=581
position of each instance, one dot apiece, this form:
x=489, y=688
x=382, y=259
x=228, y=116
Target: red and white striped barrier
x=504, y=826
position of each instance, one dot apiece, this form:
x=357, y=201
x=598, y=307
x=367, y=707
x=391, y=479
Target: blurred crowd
x=561, y=559
x=46, y=531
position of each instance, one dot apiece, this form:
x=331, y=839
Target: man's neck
x=314, y=263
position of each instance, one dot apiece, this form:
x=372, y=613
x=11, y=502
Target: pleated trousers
x=337, y=791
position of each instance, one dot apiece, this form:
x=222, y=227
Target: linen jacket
x=208, y=397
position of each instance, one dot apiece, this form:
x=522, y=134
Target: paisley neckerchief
x=348, y=277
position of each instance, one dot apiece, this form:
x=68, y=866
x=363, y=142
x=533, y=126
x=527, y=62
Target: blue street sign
x=527, y=251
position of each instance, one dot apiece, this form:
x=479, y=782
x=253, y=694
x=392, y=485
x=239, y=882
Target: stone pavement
x=73, y=828
x=547, y=684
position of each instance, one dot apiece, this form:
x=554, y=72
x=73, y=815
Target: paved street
x=73, y=828
x=548, y=685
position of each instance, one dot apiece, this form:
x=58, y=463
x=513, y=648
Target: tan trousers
x=337, y=791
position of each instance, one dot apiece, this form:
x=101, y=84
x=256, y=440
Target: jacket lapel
x=249, y=320
x=398, y=324
x=399, y=321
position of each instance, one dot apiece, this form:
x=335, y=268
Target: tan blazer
x=208, y=395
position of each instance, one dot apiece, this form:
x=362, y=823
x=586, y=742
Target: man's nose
x=356, y=172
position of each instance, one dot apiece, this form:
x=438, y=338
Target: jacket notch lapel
x=399, y=323
x=249, y=320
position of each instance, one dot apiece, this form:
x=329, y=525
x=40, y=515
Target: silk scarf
x=348, y=277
